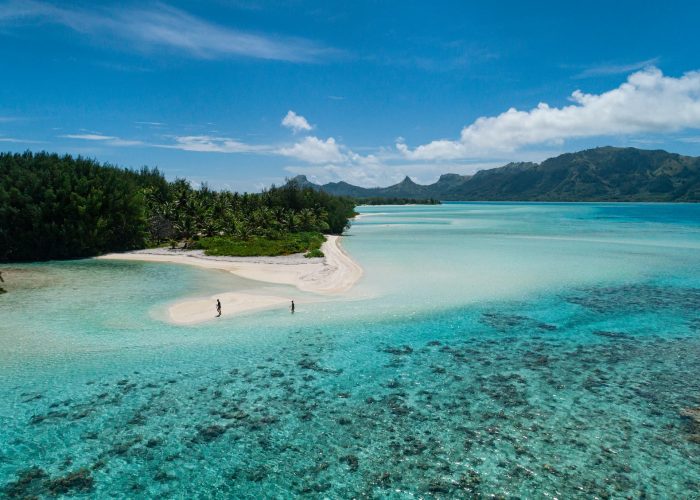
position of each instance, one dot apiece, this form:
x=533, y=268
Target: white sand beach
x=335, y=273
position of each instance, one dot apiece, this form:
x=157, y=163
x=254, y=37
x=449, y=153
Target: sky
x=243, y=94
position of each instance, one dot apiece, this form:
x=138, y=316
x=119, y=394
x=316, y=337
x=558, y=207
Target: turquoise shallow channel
x=490, y=350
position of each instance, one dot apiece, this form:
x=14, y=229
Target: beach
x=335, y=273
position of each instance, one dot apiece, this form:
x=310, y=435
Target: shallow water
x=523, y=350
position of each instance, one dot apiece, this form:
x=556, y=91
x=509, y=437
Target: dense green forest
x=60, y=207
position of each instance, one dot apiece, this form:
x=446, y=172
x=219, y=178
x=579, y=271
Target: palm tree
x=307, y=219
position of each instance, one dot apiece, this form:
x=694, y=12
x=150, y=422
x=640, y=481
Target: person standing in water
x=291, y=308
x=218, y=307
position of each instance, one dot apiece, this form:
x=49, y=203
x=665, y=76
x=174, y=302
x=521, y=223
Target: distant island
x=600, y=174
x=378, y=200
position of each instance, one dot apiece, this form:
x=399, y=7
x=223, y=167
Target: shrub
x=316, y=252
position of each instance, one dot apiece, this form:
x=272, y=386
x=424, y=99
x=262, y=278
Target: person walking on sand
x=218, y=307
x=291, y=308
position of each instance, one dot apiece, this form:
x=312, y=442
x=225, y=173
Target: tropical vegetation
x=60, y=207
x=308, y=242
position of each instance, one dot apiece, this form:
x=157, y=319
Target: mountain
x=600, y=174
x=404, y=189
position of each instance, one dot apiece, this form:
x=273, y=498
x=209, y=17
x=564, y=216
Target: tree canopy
x=59, y=207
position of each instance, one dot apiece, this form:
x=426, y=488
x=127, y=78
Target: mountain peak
x=599, y=174
x=302, y=181
x=450, y=177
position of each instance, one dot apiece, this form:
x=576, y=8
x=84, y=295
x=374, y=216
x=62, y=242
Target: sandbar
x=335, y=273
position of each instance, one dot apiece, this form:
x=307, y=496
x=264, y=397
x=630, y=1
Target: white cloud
x=358, y=176
x=383, y=168
x=197, y=143
x=125, y=142
x=89, y=137
x=209, y=144
x=646, y=105
x=162, y=26
x=295, y=122
x=109, y=140
x=377, y=173
x=437, y=150
x=314, y=150
x=648, y=102
x=615, y=69
x=16, y=140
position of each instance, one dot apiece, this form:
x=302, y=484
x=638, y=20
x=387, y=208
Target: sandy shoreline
x=335, y=273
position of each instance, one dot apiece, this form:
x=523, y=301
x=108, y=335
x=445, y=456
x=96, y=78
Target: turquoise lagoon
x=490, y=350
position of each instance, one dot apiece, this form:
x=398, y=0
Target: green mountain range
x=600, y=174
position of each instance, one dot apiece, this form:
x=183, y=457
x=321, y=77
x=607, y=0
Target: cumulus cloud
x=381, y=169
x=366, y=176
x=160, y=26
x=295, y=122
x=644, y=106
x=648, y=102
x=314, y=150
x=374, y=172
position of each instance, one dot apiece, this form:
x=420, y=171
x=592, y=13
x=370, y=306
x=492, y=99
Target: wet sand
x=334, y=273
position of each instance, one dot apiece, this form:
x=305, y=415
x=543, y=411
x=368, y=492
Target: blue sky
x=241, y=94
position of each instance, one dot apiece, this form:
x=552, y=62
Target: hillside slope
x=600, y=174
